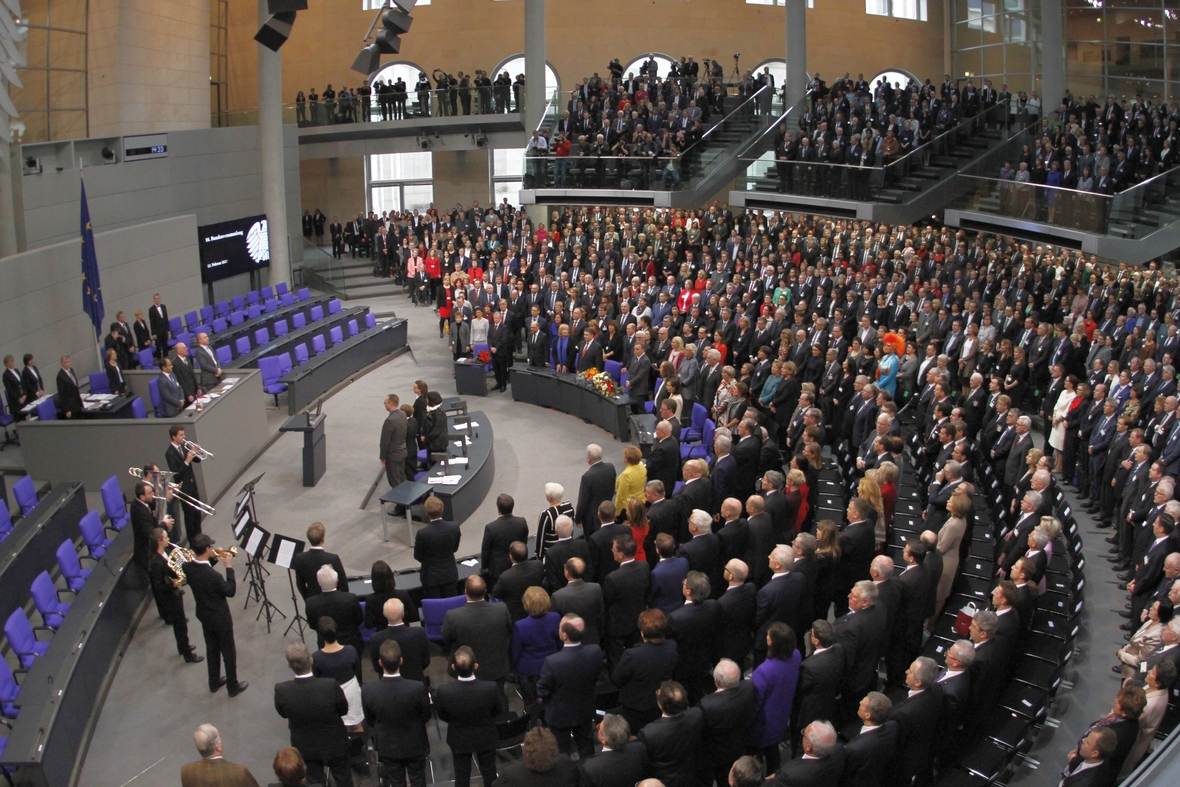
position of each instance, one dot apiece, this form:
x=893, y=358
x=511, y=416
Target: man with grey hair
x=341, y=606
x=621, y=760
x=946, y=481
x=863, y=635
x=781, y=600
x=561, y=550
x=597, y=485
x=696, y=492
x=313, y=708
x=727, y=713
x=739, y=605
x=820, y=763
x=918, y=716
x=776, y=503
x=694, y=626
x=213, y=768
x=663, y=463
x=703, y=549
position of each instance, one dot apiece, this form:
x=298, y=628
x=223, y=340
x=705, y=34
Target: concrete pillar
x=534, y=63
x=270, y=148
x=1052, y=57
x=796, y=40
x=7, y=203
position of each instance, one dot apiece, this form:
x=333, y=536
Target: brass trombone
x=191, y=501
x=199, y=452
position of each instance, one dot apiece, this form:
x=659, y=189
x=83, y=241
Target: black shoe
x=1117, y=668
x=1122, y=586
x=1126, y=626
x=1114, y=559
x=1104, y=525
x=220, y=683
x=1125, y=613
x=238, y=689
x=1111, y=540
x=192, y=658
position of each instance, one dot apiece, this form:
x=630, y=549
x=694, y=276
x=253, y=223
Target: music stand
x=254, y=541
x=282, y=551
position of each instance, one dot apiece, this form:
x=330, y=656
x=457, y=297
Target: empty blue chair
x=138, y=408
x=301, y=353
x=205, y=329
x=281, y=288
x=270, y=377
x=284, y=364
x=6, y=420
x=252, y=296
x=336, y=335
x=254, y=311
x=271, y=305
x=267, y=293
x=298, y=321
x=433, y=612
x=261, y=337
x=317, y=313
x=286, y=299
x=614, y=369
x=186, y=338
x=22, y=639
x=154, y=395
x=353, y=330
x=191, y=320
x=220, y=324
x=113, y=503
x=334, y=306
x=5, y=520
x=70, y=567
x=238, y=302
x=9, y=692
x=304, y=294
x=318, y=344
x=692, y=434
x=703, y=449
x=281, y=328
x=26, y=495
x=237, y=318
x=224, y=355
x=242, y=345
x=223, y=308
x=206, y=314
x=147, y=359
x=175, y=326
x=47, y=410
x=45, y=598
x=92, y=535
x=99, y=383
x=370, y=321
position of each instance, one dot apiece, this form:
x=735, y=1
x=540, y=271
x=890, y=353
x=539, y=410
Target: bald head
x=394, y=611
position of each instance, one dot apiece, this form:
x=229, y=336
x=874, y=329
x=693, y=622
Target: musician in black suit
x=738, y=608
x=624, y=592
x=498, y=535
x=822, y=761
x=820, y=677
x=210, y=592
x=339, y=605
x=313, y=708
x=158, y=320
x=470, y=706
x=411, y=641
x=169, y=600
x=14, y=387
x=307, y=563
x=31, y=379
x=180, y=462
x=673, y=740
x=523, y=574
x=69, y=398
x=621, y=761
x=597, y=485
x=869, y=753
x=484, y=627
x=143, y=525
x=434, y=549
x=397, y=709
x=726, y=713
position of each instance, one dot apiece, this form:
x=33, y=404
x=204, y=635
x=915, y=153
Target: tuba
x=176, y=560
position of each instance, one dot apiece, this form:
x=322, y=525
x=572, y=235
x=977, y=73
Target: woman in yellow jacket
x=631, y=481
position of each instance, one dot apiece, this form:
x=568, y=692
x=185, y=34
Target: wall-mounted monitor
x=145, y=146
x=232, y=248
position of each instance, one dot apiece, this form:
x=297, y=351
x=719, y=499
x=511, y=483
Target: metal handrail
x=955, y=129
x=721, y=122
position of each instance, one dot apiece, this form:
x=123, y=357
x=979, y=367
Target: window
x=899, y=9
x=507, y=175
x=401, y=181
x=663, y=64
x=391, y=71
x=515, y=65
x=981, y=15
x=895, y=78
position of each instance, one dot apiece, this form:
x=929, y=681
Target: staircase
x=347, y=278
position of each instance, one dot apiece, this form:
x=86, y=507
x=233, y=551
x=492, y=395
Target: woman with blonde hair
x=676, y=356
x=827, y=561
x=630, y=482
x=950, y=536
x=869, y=490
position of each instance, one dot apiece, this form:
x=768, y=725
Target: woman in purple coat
x=774, y=682
x=534, y=638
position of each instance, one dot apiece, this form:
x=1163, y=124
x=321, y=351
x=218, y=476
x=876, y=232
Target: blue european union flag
x=91, y=289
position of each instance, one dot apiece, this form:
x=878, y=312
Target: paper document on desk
x=228, y=381
x=472, y=563
x=463, y=442
x=457, y=461
x=445, y=480
x=473, y=424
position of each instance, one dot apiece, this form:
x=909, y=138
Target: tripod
x=298, y=621
x=737, y=72
x=257, y=574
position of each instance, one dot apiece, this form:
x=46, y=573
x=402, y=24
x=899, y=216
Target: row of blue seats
x=47, y=597
x=274, y=367
x=251, y=306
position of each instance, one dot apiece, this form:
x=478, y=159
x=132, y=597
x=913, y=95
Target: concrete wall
x=461, y=176
x=334, y=185
x=41, y=290
x=148, y=66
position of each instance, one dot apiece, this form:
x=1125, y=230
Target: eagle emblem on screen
x=258, y=242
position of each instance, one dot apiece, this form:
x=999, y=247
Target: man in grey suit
x=484, y=627
x=210, y=374
x=393, y=442
x=1016, y=463
x=639, y=373
x=171, y=397
x=583, y=599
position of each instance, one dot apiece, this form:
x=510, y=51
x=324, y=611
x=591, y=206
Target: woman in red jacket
x=434, y=271
x=444, y=304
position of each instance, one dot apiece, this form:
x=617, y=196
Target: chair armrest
x=88, y=557
x=110, y=529
x=65, y=590
x=41, y=628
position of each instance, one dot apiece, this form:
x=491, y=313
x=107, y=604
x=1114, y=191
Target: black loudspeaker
x=368, y=61
x=283, y=6
x=276, y=31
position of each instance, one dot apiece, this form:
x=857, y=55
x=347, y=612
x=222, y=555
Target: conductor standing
x=180, y=462
x=210, y=592
x=393, y=442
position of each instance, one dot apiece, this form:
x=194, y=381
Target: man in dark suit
x=583, y=599
x=393, y=451
x=621, y=761
x=869, y=754
x=434, y=549
x=667, y=576
x=780, y=600
x=411, y=641
x=955, y=682
x=663, y=516
x=498, y=535
x=822, y=761
x=313, y=708
x=213, y=770
x=470, y=706
x=182, y=367
x=726, y=714
x=862, y=633
x=738, y=609
x=703, y=549
x=484, y=627
x=820, y=677
x=180, y=462
x=171, y=397
x=760, y=542
x=663, y=463
x=1151, y=567
x=918, y=717
x=694, y=627
x=566, y=688
x=673, y=740
x=624, y=593
x=523, y=574
x=734, y=532
x=501, y=340
x=1089, y=764
x=397, y=710
x=597, y=485
x=307, y=563
x=905, y=633
x=341, y=606
x=639, y=373
x=158, y=320
x=143, y=524
x=746, y=455
x=696, y=493
x=210, y=373
x=210, y=592
x=31, y=378
x=858, y=545
x=561, y=550
x=69, y=399
x=601, y=543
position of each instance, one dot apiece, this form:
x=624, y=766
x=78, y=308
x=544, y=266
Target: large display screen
x=232, y=248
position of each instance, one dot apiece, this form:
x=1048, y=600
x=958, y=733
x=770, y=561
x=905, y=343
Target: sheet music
x=256, y=537
x=240, y=525
x=285, y=553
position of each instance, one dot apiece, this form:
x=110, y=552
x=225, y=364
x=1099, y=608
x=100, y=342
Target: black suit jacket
x=470, y=709
x=512, y=584
x=621, y=768
x=68, y=397
x=738, y=609
x=158, y=322
x=624, y=592
x=345, y=609
x=434, y=549
x=567, y=685
x=498, y=535
x=822, y=772
x=210, y=592
x=583, y=599
x=857, y=550
x=396, y=710
x=863, y=636
x=868, y=757
x=640, y=671
x=307, y=563
x=143, y=522
x=672, y=746
x=918, y=718
x=415, y=650
x=185, y=375
x=486, y=628
x=727, y=724
x=1102, y=775
x=694, y=627
x=663, y=464
x=598, y=484
x=312, y=708
x=781, y=600
x=820, y=678
x=555, y=557
x=703, y=553
x=602, y=561
x=760, y=544
x=33, y=381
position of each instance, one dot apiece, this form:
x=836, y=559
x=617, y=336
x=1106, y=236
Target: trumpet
x=223, y=553
x=191, y=501
x=199, y=452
